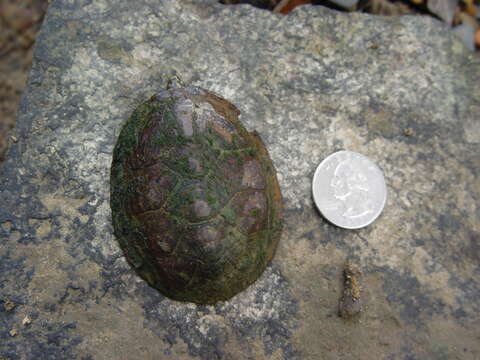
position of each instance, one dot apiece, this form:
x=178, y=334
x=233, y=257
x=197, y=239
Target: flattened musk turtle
x=195, y=199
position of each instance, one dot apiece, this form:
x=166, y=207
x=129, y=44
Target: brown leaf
x=470, y=8
x=286, y=6
x=385, y=7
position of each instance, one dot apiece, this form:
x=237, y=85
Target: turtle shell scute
x=196, y=204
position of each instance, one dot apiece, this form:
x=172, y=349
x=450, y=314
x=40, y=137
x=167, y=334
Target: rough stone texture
x=310, y=83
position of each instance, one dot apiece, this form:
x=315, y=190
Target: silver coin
x=349, y=189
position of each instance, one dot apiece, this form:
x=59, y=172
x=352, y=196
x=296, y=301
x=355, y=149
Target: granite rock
x=310, y=83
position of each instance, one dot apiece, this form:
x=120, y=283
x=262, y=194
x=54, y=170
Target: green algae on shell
x=195, y=200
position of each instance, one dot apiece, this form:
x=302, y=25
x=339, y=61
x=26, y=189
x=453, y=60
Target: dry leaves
x=286, y=6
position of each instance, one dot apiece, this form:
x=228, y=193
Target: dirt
x=352, y=302
x=20, y=21
x=9, y=305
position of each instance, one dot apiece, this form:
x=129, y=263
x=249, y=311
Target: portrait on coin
x=351, y=188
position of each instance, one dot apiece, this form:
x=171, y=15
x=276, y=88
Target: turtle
x=196, y=204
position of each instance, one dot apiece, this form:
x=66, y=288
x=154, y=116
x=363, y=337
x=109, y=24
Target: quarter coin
x=349, y=189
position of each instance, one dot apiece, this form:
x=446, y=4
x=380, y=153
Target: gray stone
x=346, y=4
x=310, y=83
x=444, y=9
x=466, y=33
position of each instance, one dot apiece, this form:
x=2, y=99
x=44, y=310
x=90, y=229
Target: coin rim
x=315, y=198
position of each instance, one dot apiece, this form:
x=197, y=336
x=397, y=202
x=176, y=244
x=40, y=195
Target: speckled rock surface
x=310, y=83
